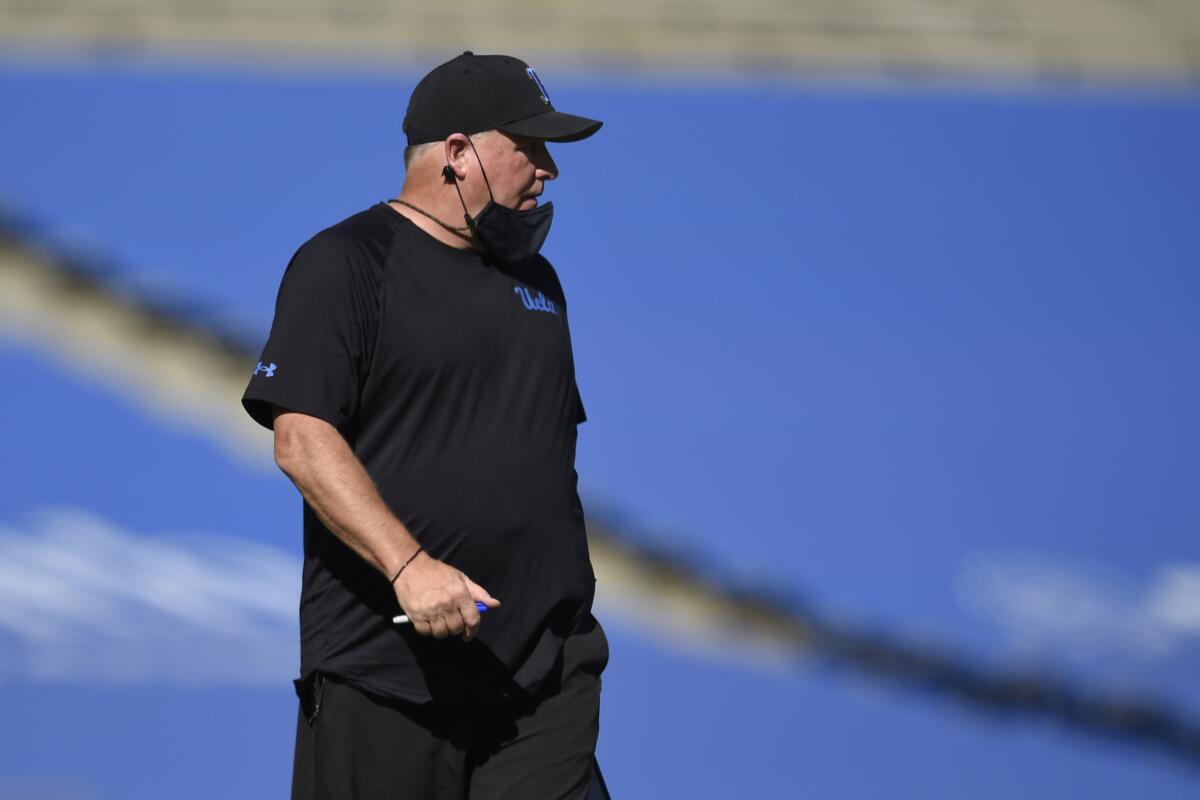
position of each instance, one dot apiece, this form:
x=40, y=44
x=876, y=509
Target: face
x=517, y=169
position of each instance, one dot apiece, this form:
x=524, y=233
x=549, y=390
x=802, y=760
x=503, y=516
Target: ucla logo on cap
x=533, y=76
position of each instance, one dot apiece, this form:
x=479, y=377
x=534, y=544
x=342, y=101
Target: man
x=421, y=386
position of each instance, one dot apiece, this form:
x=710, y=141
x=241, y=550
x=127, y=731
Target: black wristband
x=405, y=564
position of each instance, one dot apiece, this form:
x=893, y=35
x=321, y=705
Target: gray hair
x=415, y=150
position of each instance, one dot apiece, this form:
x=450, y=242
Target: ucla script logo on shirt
x=534, y=302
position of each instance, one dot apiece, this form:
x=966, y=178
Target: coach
x=420, y=382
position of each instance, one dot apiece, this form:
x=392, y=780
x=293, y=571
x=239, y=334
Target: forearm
x=337, y=487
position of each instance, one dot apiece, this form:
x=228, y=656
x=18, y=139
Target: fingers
x=445, y=619
x=441, y=600
x=454, y=623
x=470, y=613
x=470, y=618
x=438, y=628
x=481, y=594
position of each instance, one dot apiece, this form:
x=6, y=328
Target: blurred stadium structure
x=70, y=306
x=61, y=303
x=993, y=40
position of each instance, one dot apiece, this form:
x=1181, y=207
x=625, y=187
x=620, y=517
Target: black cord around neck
x=451, y=228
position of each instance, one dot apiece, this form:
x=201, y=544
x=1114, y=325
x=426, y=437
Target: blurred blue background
x=927, y=355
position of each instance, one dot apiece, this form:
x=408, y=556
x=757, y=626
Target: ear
x=457, y=157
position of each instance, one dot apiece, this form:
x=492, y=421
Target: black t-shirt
x=451, y=377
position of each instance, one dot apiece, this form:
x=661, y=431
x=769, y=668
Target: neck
x=436, y=219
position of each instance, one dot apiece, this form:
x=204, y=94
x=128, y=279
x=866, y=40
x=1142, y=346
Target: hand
x=439, y=600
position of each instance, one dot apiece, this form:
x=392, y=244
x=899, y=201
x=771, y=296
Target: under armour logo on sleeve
x=267, y=370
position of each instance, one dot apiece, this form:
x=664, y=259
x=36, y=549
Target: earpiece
x=448, y=173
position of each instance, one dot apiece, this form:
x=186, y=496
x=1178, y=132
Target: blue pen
x=403, y=618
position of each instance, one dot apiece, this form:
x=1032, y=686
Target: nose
x=544, y=164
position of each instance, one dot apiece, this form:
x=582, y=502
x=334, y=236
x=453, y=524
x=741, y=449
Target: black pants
x=368, y=748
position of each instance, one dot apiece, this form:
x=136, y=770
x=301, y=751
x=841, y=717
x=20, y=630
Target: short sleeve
x=321, y=341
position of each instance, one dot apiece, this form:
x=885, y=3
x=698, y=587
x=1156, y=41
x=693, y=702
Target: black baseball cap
x=471, y=93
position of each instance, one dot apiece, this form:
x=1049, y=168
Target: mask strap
x=483, y=171
x=448, y=172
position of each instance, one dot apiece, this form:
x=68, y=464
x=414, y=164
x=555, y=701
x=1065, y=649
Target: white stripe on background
x=85, y=601
x=1079, y=611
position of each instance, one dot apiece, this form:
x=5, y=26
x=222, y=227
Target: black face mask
x=506, y=233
